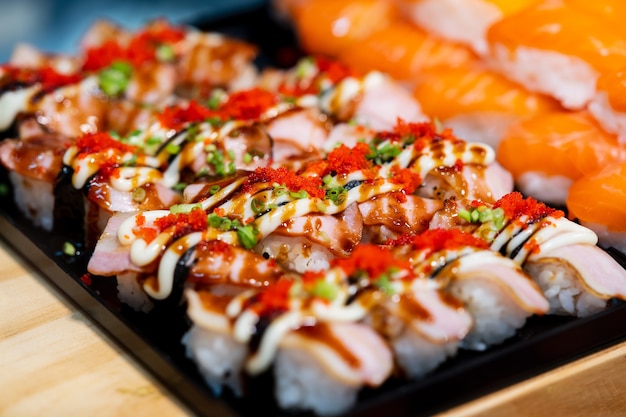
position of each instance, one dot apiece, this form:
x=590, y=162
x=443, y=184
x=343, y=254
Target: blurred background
x=57, y=25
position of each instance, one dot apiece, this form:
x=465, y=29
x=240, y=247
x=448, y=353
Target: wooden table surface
x=55, y=362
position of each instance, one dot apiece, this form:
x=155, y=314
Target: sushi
x=576, y=276
x=548, y=152
x=594, y=201
x=564, y=62
x=477, y=103
x=462, y=21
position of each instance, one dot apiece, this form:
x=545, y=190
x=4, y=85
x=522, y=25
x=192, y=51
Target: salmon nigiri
x=404, y=51
x=477, y=103
x=328, y=27
x=547, y=153
x=464, y=21
x=598, y=201
x=558, y=50
x=609, y=103
x=612, y=11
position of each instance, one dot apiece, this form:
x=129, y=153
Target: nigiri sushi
x=575, y=275
x=548, y=152
x=463, y=21
x=493, y=288
x=478, y=104
x=404, y=51
x=557, y=50
x=328, y=27
x=596, y=201
x=608, y=106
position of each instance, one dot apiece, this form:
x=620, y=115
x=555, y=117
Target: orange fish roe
x=341, y=161
x=422, y=133
x=435, y=240
x=142, y=47
x=91, y=143
x=287, y=178
x=274, y=299
x=183, y=223
x=175, y=117
x=327, y=70
x=409, y=179
x=371, y=259
x=249, y=104
x=48, y=77
x=515, y=206
x=333, y=70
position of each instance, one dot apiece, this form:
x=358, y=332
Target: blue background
x=56, y=26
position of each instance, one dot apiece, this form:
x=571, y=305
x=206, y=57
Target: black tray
x=154, y=339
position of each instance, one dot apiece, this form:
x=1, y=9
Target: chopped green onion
x=139, y=195
x=214, y=189
x=384, y=284
x=324, y=289
x=165, y=53
x=180, y=186
x=184, y=208
x=465, y=215
x=172, y=148
x=257, y=205
x=299, y=194
x=69, y=249
x=247, y=158
x=114, y=79
x=280, y=190
x=247, y=236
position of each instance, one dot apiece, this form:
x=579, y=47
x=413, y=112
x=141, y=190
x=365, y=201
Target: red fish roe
x=515, y=206
x=283, y=176
x=175, y=117
x=435, y=240
x=327, y=70
x=421, y=133
x=274, y=299
x=248, y=104
x=48, y=77
x=333, y=70
x=342, y=161
x=183, y=223
x=91, y=143
x=406, y=177
x=141, y=48
x=371, y=259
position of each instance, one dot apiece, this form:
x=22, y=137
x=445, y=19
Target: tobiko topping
x=287, y=178
x=515, y=206
x=435, y=240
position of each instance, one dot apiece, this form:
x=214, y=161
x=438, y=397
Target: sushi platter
x=159, y=331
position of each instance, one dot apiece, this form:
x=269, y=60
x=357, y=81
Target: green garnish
x=4, y=189
x=257, y=205
x=184, y=208
x=180, y=186
x=383, y=154
x=172, y=148
x=247, y=236
x=139, y=195
x=384, y=284
x=114, y=79
x=69, y=249
x=247, y=158
x=214, y=189
x=324, y=289
x=336, y=194
x=165, y=53
x=299, y=194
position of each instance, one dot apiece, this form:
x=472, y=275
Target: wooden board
x=55, y=362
